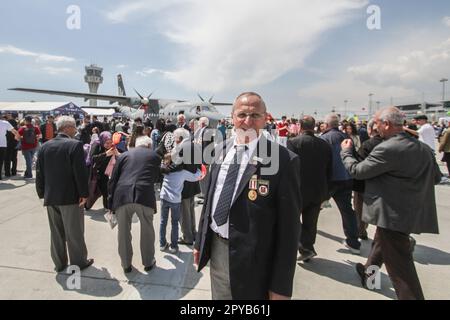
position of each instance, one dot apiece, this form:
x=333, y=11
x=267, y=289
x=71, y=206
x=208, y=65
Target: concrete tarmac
x=26, y=269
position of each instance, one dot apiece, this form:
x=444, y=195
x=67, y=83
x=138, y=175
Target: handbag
x=94, y=190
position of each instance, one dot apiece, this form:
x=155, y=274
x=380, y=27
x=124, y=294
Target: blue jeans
x=341, y=192
x=28, y=155
x=176, y=212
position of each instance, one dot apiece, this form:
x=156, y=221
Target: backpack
x=29, y=135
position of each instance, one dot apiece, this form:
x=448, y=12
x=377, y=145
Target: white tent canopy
x=42, y=108
x=100, y=112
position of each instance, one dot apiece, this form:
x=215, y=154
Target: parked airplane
x=134, y=107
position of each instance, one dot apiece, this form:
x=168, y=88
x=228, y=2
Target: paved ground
x=26, y=270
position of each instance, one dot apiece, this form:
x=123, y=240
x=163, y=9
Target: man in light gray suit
x=399, y=199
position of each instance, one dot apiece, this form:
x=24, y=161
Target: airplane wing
x=221, y=104
x=85, y=96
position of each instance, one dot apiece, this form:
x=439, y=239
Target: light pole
x=345, y=108
x=378, y=105
x=370, y=105
x=443, y=80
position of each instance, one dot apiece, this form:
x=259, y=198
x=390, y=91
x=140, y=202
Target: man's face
x=382, y=126
x=421, y=122
x=249, y=116
x=50, y=120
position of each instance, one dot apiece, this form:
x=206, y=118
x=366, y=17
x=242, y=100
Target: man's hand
x=196, y=256
x=347, y=144
x=82, y=202
x=276, y=296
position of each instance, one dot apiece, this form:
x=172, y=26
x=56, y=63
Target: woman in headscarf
x=101, y=154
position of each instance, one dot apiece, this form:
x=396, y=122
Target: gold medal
x=252, y=195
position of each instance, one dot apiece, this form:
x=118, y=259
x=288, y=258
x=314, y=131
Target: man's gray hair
x=181, y=133
x=204, y=120
x=392, y=115
x=143, y=142
x=249, y=94
x=181, y=116
x=64, y=122
x=332, y=120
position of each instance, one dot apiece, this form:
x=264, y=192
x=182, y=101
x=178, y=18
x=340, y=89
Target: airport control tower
x=93, y=78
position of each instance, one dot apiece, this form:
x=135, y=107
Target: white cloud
x=56, y=71
x=446, y=21
x=407, y=76
x=130, y=9
x=149, y=71
x=412, y=68
x=121, y=66
x=40, y=57
x=227, y=44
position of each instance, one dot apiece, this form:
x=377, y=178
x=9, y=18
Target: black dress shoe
x=149, y=268
x=361, y=269
x=128, y=270
x=61, y=269
x=89, y=263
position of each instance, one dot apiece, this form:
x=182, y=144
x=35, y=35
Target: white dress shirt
x=223, y=230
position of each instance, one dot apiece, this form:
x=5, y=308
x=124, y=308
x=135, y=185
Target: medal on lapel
x=253, y=186
x=263, y=188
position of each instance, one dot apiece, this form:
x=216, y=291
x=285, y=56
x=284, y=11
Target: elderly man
x=340, y=187
x=62, y=181
x=391, y=184
x=131, y=190
x=203, y=137
x=250, y=222
x=181, y=122
x=315, y=174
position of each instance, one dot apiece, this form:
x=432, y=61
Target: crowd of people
x=254, y=226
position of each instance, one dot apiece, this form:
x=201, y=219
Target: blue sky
x=302, y=56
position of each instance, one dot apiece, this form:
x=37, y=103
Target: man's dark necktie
x=224, y=203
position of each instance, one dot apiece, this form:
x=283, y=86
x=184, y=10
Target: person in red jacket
x=29, y=135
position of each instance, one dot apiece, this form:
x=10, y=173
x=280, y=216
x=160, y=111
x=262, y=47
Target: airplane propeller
x=210, y=100
x=144, y=101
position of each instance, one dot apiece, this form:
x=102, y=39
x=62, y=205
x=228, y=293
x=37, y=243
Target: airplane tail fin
x=121, y=86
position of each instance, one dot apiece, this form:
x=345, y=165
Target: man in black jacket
x=131, y=190
x=315, y=174
x=249, y=226
x=62, y=181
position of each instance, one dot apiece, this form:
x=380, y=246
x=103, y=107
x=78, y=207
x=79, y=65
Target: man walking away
x=62, y=181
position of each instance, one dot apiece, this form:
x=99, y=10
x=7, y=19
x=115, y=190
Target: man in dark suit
x=203, y=137
x=62, y=181
x=315, y=174
x=181, y=122
x=131, y=190
x=399, y=199
x=250, y=222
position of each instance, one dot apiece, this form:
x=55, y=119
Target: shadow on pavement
x=159, y=283
x=96, y=215
x=427, y=255
x=10, y=186
x=94, y=282
x=346, y=273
